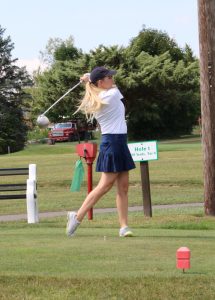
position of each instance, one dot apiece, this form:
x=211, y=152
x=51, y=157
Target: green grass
x=39, y=262
x=147, y=287
x=176, y=177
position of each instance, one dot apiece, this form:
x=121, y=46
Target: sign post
x=143, y=152
x=147, y=205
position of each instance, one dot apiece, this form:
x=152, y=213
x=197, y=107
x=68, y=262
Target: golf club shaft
x=62, y=97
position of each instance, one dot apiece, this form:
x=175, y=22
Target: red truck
x=71, y=131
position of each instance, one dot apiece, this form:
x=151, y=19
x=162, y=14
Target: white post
x=32, y=205
x=33, y=172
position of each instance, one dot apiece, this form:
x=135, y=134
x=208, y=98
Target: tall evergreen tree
x=13, y=129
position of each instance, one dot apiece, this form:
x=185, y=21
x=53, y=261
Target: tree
x=51, y=85
x=155, y=42
x=162, y=97
x=112, y=56
x=159, y=80
x=65, y=66
x=58, y=49
x=13, y=129
x=161, y=88
x=64, y=52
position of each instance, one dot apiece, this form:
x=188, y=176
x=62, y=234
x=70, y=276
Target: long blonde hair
x=91, y=102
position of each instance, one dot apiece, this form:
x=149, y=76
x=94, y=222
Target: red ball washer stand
x=88, y=151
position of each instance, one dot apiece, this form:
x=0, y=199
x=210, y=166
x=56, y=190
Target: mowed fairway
x=39, y=261
x=176, y=177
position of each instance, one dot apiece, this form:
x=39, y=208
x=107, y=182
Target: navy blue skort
x=114, y=155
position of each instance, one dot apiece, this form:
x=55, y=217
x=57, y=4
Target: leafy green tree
x=155, y=42
x=159, y=80
x=64, y=52
x=65, y=66
x=162, y=97
x=59, y=50
x=51, y=85
x=112, y=56
x=13, y=129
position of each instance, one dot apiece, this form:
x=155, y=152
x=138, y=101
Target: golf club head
x=42, y=121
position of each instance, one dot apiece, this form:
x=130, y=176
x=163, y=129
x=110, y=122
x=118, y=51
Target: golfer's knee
x=122, y=189
x=104, y=188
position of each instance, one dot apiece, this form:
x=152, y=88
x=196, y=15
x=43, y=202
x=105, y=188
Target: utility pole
x=206, y=13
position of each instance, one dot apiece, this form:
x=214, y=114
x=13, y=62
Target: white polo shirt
x=111, y=116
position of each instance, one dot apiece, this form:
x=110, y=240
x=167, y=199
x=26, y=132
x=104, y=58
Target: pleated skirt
x=114, y=155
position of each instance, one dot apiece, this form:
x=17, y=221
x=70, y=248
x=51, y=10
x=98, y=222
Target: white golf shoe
x=125, y=232
x=72, y=223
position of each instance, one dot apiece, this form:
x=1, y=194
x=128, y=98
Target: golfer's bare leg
x=105, y=184
x=122, y=183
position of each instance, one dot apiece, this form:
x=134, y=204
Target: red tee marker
x=183, y=258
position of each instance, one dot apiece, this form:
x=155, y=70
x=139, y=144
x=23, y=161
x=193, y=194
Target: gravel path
x=6, y=218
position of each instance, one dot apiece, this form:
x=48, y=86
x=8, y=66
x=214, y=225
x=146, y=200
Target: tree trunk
x=206, y=11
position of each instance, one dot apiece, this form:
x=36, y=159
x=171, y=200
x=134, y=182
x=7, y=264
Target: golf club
x=42, y=120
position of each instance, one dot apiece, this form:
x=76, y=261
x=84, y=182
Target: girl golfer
x=102, y=100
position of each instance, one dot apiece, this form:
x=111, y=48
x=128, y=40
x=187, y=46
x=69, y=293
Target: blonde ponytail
x=91, y=102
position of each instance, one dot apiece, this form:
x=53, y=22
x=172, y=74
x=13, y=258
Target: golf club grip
x=62, y=96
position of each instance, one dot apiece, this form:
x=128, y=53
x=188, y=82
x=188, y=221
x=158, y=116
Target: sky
x=30, y=23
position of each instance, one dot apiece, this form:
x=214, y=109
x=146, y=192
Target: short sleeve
x=119, y=95
x=113, y=93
